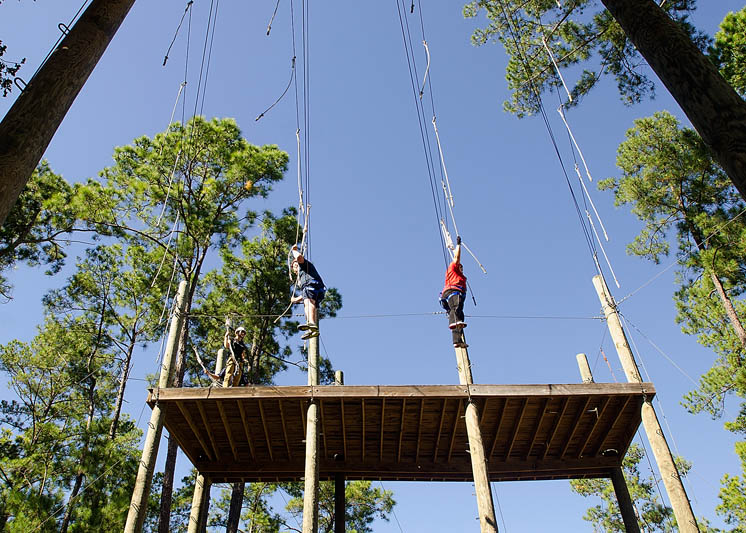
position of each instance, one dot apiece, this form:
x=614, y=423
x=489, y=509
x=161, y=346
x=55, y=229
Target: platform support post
x=220, y=361
x=30, y=123
x=200, y=502
x=339, y=480
x=682, y=508
x=139, y=503
x=339, y=503
x=486, y=507
x=311, y=481
x=617, y=475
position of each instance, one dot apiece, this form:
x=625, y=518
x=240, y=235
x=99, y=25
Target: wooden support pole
x=625, y=502
x=28, y=127
x=617, y=475
x=486, y=507
x=585, y=369
x=311, y=479
x=339, y=503
x=220, y=360
x=139, y=503
x=339, y=480
x=200, y=500
x=682, y=508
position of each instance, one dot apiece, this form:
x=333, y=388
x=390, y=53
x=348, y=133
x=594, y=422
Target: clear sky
x=374, y=234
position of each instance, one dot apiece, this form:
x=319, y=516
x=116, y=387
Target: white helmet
x=240, y=328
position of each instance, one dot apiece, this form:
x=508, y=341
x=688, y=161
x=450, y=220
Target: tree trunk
x=31, y=122
x=120, y=392
x=169, y=467
x=179, y=370
x=714, y=108
x=237, y=492
x=730, y=310
x=725, y=300
x=89, y=420
x=234, y=511
x=81, y=473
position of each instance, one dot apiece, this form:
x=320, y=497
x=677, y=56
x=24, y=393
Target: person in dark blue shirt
x=311, y=291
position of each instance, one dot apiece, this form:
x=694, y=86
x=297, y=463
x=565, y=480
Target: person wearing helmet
x=312, y=290
x=453, y=296
x=237, y=354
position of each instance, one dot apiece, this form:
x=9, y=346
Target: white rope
x=204, y=368
x=561, y=111
x=447, y=238
x=590, y=200
x=474, y=256
x=447, y=184
x=165, y=253
x=556, y=67
x=595, y=232
x=300, y=184
x=178, y=155
x=427, y=69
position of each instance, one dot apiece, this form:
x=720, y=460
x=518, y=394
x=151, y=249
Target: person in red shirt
x=453, y=296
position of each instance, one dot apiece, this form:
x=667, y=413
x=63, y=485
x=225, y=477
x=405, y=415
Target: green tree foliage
x=180, y=508
x=55, y=433
x=180, y=196
x=729, y=50
x=364, y=504
x=8, y=70
x=677, y=191
x=254, y=289
x=39, y=225
x=733, y=494
x=673, y=185
x=578, y=33
x=652, y=514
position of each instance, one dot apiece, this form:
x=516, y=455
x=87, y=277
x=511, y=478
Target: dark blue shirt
x=308, y=276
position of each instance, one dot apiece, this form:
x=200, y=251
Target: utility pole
x=682, y=508
x=617, y=475
x=28, y=127
x=311, y=479
x=486, y=507
x=139, y=503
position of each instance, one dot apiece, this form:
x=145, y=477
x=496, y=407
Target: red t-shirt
x=454, y=278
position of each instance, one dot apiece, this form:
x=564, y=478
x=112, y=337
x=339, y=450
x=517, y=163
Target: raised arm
x=296, y=254
x=457, y=251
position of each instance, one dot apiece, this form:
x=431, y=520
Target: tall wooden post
x=682, y=508
x=339, y=480
x=200, y=501
x=220, y=360
x=486, y=507
x=617, y=475
x=31, y=122
x=139, y=503
x=311, y=487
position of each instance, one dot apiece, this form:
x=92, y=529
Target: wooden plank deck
x=408, y=433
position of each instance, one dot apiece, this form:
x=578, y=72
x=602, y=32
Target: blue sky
x=373, y=231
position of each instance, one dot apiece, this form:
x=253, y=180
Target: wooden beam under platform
x=410, y=432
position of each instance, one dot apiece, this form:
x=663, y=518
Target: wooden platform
x=412, y=433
